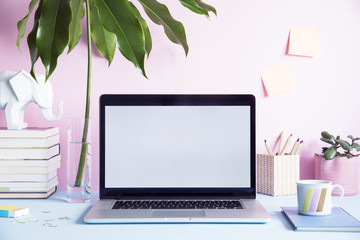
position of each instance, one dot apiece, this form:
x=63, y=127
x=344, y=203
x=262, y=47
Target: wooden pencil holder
x=277, y=175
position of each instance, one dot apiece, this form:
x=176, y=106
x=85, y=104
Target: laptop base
x=102, y=212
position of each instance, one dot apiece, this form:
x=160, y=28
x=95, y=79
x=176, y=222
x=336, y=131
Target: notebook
x=177, y=158
x=339, y=220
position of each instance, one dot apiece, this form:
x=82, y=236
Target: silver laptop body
x=177, y=158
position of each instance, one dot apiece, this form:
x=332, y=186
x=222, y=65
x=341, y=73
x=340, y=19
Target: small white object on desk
x=11, y=211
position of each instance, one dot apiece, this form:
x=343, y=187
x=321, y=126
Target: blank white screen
x=177, y=146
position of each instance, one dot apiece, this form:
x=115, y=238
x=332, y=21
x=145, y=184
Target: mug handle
x=341, y=193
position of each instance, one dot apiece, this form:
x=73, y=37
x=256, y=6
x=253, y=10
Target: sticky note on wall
x=304, y=41
x=277, y=79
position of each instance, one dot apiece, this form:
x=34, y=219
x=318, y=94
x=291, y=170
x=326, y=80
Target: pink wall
x=226, y=56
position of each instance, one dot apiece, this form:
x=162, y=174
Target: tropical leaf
x=330, y=153
x=75, y=29
x=193, y=6
x=119, y=18
x=327, y=141
x=145, y=28
x=327, y=135
x=345, y=145
x=58, y=24
x=104, y=40
x=159, y=14
x=53, y=32
x=206, y=6
x=21, y=25
x=31, y=40
x=356, y=146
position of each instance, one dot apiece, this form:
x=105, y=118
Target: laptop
x=177, y=159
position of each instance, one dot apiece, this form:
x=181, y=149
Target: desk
x=75, y=228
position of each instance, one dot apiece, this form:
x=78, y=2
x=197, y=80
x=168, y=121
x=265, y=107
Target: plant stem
x=80, y=171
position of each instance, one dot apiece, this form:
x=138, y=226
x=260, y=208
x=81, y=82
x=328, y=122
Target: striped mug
x=314, y=197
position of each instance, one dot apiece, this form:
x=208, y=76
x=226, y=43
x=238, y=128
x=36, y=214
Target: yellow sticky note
x=277, y=79
x=304, y=41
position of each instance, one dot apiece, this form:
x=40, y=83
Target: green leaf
x=119, y=18
x=193, y=6
x=356, y=146
x=21, y=25
x=145, y=28
x=205, y=6
x=104, y=40
x=75, y=29
x=345, y=145
x=31, y=40
x=351, y=137
x=330, y=153
x=349, y=155
x=53, y=32
x=327, y=135
x=159, y=14
x=327, y=141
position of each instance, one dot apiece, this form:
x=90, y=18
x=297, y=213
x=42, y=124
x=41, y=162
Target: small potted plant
x=339, y=162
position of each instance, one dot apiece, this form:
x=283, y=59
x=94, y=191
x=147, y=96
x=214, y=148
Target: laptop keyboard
x=169, y=204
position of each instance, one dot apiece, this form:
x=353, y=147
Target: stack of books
x=29, y=159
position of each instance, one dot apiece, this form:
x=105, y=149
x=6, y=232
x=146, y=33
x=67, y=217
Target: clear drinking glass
x=79, y=160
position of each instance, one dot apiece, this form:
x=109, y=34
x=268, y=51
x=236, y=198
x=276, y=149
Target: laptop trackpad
x=177, y=214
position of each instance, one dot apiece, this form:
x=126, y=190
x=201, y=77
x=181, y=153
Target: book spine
x=30, y=153
x=29, y=133
x=30, y=170
x=29, y=142
x=30, y=163
x=21, y=189
x=8, y=185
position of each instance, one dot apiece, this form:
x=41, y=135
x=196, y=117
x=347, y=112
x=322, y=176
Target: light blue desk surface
x=75, y=228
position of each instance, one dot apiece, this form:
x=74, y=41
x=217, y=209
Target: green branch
x=84, y=146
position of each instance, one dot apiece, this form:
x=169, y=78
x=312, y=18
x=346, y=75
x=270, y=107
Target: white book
x=29, y=153
x=29, y=142
x=29, y=132
x=27, y=177
x=7, y=195
x=30, y=170
x=28, y=189
x=8, y=186
x=29, y=163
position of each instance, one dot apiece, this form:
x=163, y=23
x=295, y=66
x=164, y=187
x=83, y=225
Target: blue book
x=339, y=220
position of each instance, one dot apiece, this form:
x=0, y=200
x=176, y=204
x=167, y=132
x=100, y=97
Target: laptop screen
x=177, y=146
x=178, y=142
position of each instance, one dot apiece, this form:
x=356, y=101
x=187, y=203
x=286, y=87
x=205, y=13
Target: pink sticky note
x=304, y=41
x=277, y=79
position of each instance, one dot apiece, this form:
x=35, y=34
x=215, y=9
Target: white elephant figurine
x=17, y=90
